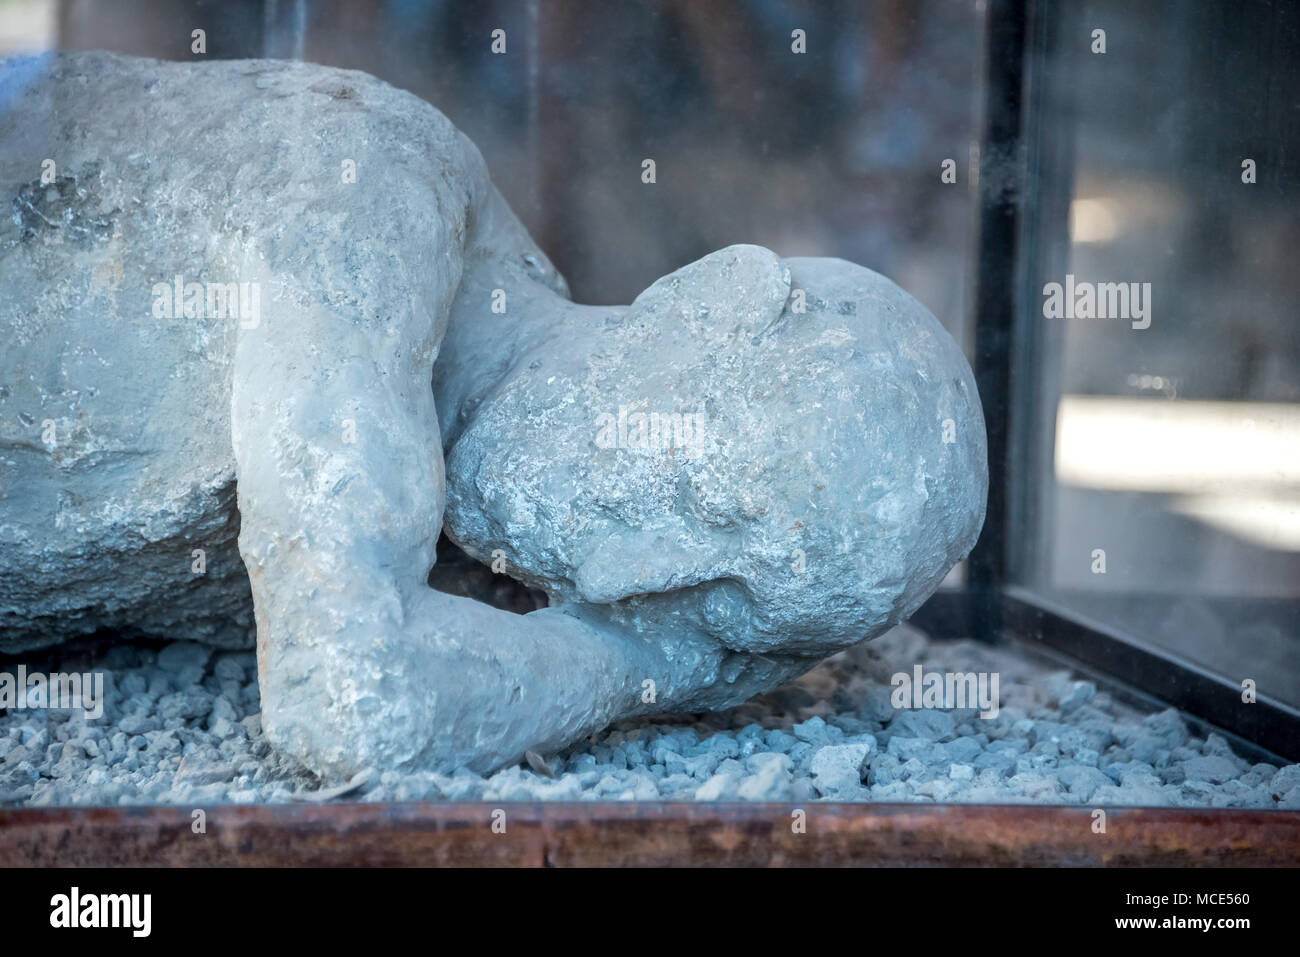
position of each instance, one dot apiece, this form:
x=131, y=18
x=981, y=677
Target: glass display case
x=1097, y=201
x=1142, y=519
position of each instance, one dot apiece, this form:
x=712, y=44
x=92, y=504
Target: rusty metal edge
x=646, y=834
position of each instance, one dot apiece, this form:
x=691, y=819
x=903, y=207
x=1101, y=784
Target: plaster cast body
x=307, y=427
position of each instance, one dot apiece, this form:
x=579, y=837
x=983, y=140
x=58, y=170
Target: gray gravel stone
x=964, y=749
x=720, y=787
x=1285, y=779
x=135, y=724
x=927, y=725
x=1169, y=725
x=838, y=769
x=1000, y=762
x=199, y=775
x=1082, y=781
x=1214, y=768
x=1077, y=694
x=770, y=780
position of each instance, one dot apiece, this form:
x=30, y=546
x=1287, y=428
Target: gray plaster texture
x=754, y=451
x=216, y=419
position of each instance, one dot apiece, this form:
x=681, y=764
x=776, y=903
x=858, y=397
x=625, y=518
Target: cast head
x=784, y=455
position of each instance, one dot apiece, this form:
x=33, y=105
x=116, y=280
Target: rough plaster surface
x=814, y=503
x=310, y=431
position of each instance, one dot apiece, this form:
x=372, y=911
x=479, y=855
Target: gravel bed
x=181, y=726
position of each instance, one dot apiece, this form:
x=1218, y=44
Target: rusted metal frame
x=648, y=834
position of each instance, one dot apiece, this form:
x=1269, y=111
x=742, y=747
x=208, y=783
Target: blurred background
x=832, y=152
x=1175, y=449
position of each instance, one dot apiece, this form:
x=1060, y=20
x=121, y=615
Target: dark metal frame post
x=1001, y=171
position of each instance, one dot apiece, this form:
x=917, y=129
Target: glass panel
x=1168, y=390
